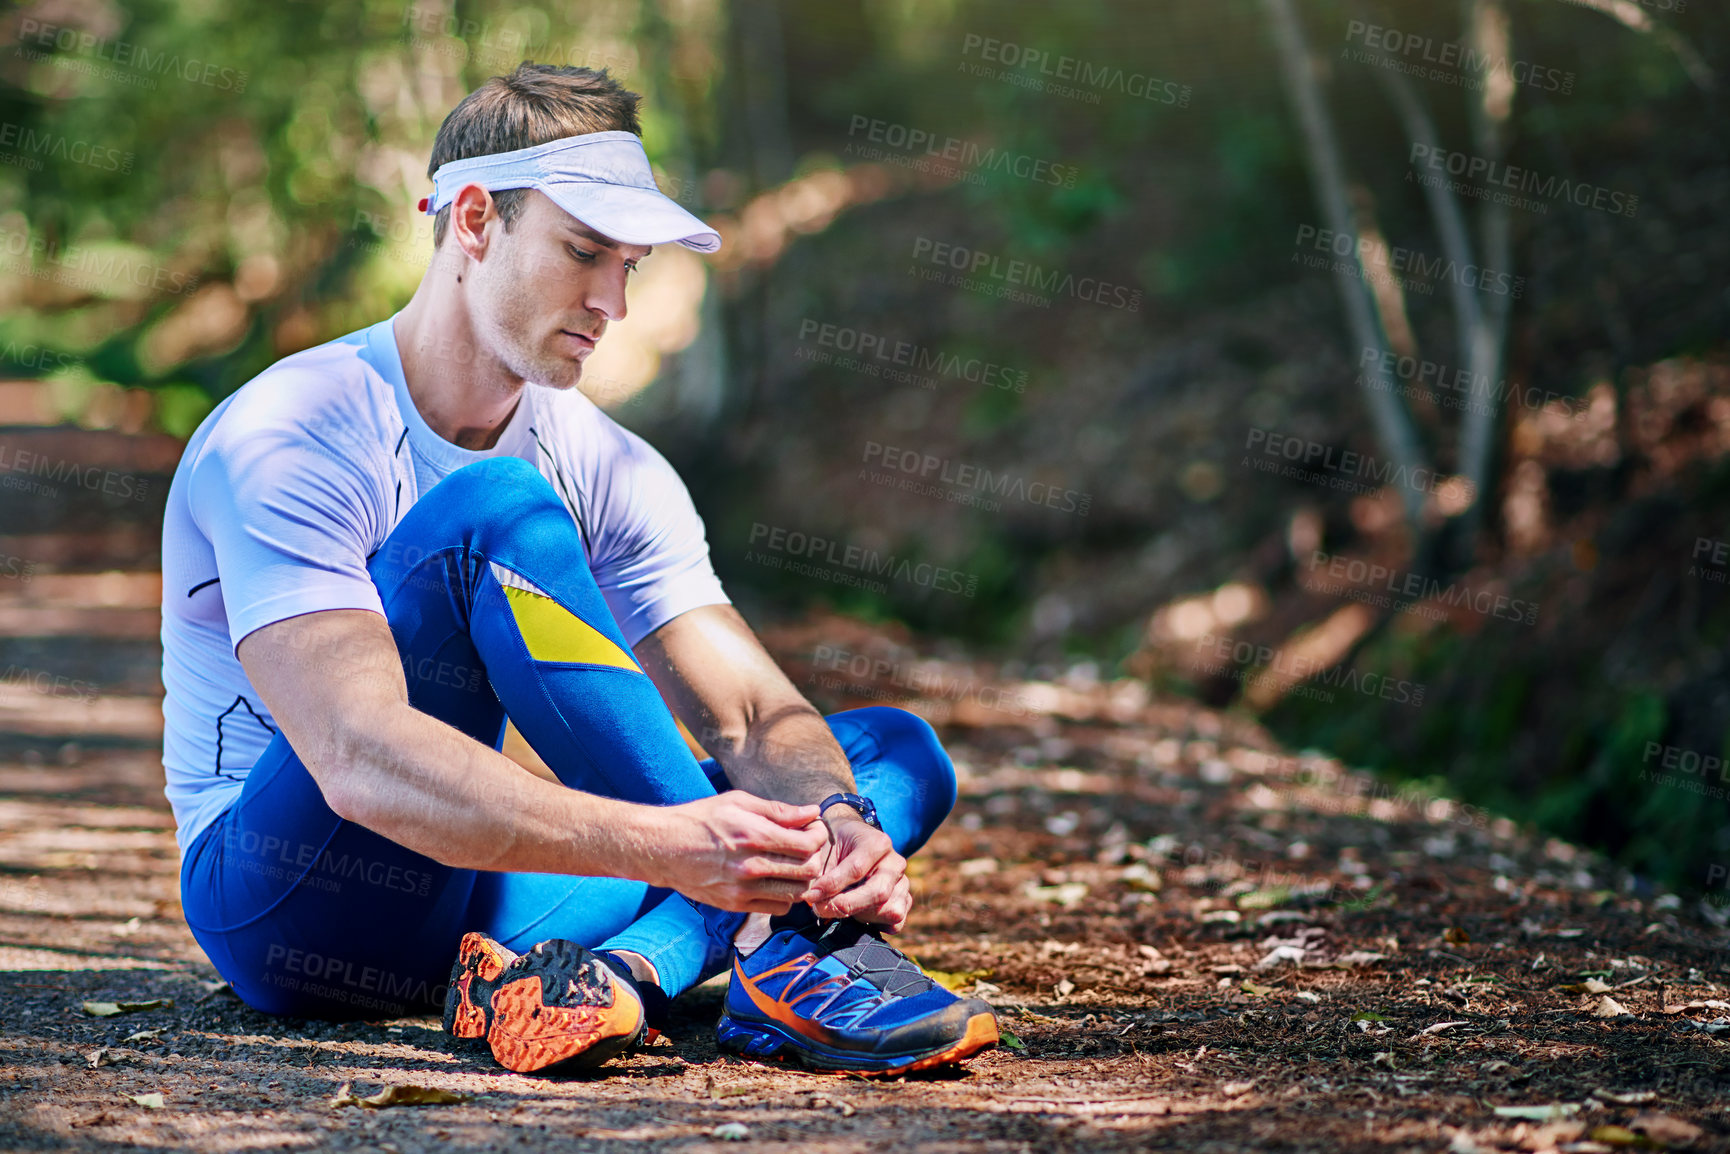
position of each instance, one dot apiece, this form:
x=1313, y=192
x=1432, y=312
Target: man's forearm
x=787, y=754
x=430, y=787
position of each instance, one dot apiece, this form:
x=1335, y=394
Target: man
x=380, y=548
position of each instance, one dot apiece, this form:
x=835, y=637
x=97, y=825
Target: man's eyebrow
x=590, y=234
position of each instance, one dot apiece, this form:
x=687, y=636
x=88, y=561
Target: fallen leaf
x=1231, y=917
x=1064, y=988
x=1280, y=954
x=149, y=1035
x=1707, y=1004
x=955, y=979
x=151, y=1101
x=1539, y=1113
x=1264, y=899
x=1609, y=1007
x=110, y=1009
x=1068, y=894
x=102, y=1057
x=731, y=1132
x=1359, y=958
x=1665, y=1129
x=1236, y=1089
x=1439, y=1027
x=1589, y=986
x=1367, y=1016
x=975, y=867
x=1141, y=876
x=1309, y=996
x=1256, y=991
x=1226, y=970
x=1625, y=1097
x=1455, y=936
x=1010, y=1040
x=1617, y=1136
x=406, y=1094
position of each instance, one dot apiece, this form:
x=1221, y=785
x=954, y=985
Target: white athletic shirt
x=291, y=483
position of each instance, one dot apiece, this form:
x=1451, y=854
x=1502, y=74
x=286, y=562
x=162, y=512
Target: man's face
x=544, y=291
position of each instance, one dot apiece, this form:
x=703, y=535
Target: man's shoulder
x=330, y=393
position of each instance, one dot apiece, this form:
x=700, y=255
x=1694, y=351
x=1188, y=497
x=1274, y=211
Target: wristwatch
x=862, y=804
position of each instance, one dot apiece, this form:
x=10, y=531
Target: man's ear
x=471, y=212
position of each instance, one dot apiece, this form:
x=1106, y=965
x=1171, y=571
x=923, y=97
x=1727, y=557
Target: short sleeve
x=650, y=555
x=291, y=511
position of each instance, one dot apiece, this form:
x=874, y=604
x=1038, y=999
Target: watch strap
x=862, y=804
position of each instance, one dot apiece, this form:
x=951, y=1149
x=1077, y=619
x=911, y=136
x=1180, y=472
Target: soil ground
x=1199, y=941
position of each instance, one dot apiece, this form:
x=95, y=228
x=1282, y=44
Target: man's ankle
x=752, y=934
x=641, y=968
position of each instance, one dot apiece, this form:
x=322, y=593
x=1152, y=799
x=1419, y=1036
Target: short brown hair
x=534, y=104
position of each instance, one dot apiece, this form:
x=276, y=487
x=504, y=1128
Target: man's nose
x=605, y=294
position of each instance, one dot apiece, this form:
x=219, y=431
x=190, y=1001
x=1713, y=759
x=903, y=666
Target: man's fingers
x=779, y=812
x=860, y=863
x=792, y=869
x=782, y=841
x=867, y=897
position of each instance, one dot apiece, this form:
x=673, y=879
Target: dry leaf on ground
x=110, y=1009
x=406, y=1094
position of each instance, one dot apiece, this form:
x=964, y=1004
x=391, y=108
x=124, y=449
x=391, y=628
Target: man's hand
x=744, y=853
x=866, y=879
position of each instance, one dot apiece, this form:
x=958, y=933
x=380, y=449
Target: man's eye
x=580, y=254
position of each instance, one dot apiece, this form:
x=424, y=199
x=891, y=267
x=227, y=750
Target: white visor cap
x=602, y=178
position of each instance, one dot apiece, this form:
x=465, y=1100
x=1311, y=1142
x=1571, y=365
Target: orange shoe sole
x=981, y=1032
x=561, y=1005
x=480, y=963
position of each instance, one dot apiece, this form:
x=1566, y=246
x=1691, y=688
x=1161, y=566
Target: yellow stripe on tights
x=554, y=633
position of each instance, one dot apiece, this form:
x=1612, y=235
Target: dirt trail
x=1199, y=941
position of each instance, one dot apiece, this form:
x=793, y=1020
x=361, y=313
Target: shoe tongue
x=855, y=946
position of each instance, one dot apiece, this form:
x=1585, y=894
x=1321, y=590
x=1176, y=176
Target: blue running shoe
x=842, y=999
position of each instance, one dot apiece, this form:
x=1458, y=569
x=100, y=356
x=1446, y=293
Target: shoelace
x=879, y=964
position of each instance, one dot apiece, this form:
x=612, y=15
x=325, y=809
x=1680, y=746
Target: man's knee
x=917, y=772
x=474, y=505
x=497, y=485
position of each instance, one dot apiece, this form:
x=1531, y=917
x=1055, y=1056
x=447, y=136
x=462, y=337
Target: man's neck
x=464, y=394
